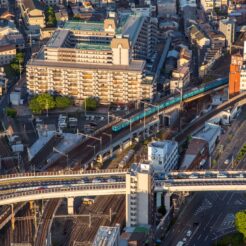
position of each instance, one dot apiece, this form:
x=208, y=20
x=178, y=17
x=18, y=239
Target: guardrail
x=62, y=173
x=64, y=189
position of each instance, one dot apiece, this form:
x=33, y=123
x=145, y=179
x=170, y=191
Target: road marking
x=206, y=238
x=199, y=236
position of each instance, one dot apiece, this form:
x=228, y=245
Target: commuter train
x=171, y=101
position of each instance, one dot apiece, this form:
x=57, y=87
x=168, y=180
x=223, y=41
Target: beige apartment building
x=32, y=13
x=7, y=54
x=102, y=59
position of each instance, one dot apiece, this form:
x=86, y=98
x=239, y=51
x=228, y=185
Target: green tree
x=50, y=17
x=240, y=222
x=11, y=112
x=91, y=103
x=63, y=102
x=34, y=106
x=41, y=103
x=17, y=62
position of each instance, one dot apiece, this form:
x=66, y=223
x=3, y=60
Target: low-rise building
x=163, y=155
x=210, y=133
x=32, y=13
x=7, y=54
x=197, y=37
x=180, y=78
x=196, y=155
x=107, y=235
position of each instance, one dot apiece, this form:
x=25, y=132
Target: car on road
x=180, y=243
x=188, y=233
x=227, y=161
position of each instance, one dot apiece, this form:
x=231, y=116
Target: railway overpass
x=49, y=185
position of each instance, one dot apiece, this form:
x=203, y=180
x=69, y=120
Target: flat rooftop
x=135, y=65
x=58, y=39
x=208, y=132
x=84, y=26
x=167, y=144
x=106, y=236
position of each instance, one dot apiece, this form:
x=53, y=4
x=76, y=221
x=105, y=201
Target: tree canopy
x=240, y=222
x=90, y=103
x=63, y=102
x=46, y=101
x=50, y=17
x=17, y=62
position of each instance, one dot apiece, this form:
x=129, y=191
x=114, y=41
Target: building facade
x=234, y=76
x=228, y=28
x=7, y=54
x=32, y=13
x=163, y=155
x=139, y=195
x=102, y=59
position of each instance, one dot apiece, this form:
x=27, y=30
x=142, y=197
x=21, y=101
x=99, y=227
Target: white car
x=188, y=233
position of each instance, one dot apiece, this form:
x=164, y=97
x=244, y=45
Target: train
x=171, y=101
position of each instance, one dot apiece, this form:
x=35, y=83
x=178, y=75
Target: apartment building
x=7, y=54
x=32, y=13
x=103, y=59
x=139, y=193
x=228, y=28
x=163, y=155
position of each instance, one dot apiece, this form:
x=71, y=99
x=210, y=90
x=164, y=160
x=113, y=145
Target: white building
x=210, y=133
x=139, y=195
x=243, y=78
x=163, y=155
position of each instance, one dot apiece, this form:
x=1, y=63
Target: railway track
x=46, y=220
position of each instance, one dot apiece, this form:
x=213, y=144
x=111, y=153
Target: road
x=210, y=215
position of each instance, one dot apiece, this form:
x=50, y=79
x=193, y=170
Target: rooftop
x=84, y=26
x=106, y=236
x=58, y=38
x=169, y=145
x=135, y=65
x=208, y=132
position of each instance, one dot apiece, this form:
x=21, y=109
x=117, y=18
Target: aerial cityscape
x=122, y=122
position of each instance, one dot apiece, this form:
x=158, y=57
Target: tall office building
x=102, y=59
